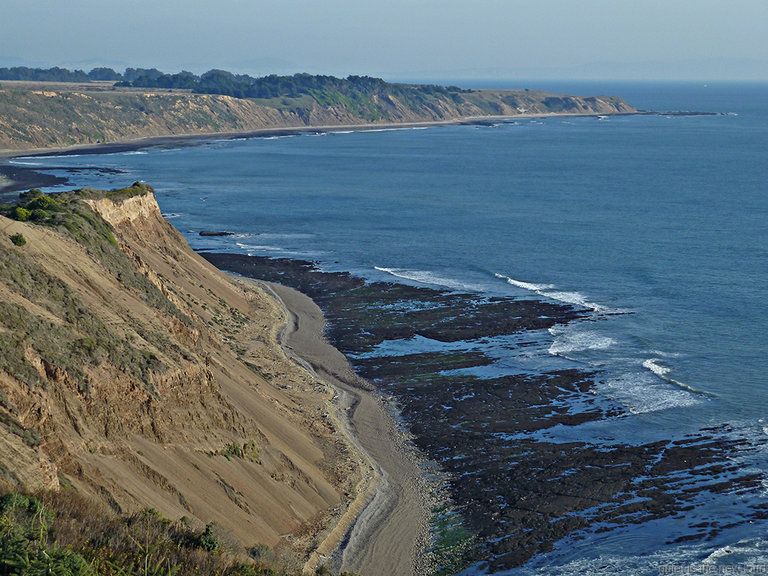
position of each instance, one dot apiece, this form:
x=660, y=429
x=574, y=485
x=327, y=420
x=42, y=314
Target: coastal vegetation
x=141, y=393
x=65, y=534
x=42, y=109
x=64, y=343
x=57, y=74
x=224, y=82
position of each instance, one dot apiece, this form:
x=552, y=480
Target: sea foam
x=569, y=340
x=549, y=291
x=641, y=393
x=427, y=277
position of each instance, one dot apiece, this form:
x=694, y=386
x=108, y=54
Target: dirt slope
x=146, y=378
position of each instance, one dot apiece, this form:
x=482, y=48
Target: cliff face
x=58, y=116
x=133, y=371
x=44, y=119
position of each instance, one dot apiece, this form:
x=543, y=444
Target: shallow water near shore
x=654, y=227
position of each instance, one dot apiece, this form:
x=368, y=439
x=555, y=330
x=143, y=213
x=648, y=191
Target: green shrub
x=208, y=540
x=247, y=570
x=30, y=195
x=21, y=214
x=24, y=549
x=66, y=534
x=18, y=239
x=39, y=215
x=43, y=203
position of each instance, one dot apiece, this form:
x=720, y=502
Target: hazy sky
x=705, y=39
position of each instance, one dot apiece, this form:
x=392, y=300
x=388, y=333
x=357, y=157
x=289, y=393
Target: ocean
x=655, y=225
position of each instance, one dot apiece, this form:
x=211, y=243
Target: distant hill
x=80, y=108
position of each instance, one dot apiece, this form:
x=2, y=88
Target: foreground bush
x=67, y=535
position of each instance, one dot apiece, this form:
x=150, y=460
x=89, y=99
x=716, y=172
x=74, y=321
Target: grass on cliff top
x=135, y=189
x=81, y=338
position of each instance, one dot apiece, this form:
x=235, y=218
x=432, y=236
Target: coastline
x=513, y=492
x=19, y=178
x=174, y=140
x=386, y=527
x=178, y=140
x=339, y=526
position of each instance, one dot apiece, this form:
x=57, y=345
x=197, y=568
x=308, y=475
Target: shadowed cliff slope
x=136, y=373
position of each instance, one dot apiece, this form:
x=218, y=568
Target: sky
x=397, y=39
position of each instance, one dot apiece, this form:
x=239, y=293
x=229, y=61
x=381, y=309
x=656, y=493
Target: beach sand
x=386, y=530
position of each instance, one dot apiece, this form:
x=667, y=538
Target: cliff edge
x=54, y=115
x=134, y=372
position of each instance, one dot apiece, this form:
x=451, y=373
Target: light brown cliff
x=71, y=115
x=133, y=371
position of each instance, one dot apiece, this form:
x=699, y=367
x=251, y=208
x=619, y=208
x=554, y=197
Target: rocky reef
x=517, y=489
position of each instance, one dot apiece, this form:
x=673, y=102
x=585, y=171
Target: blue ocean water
x=656, y=223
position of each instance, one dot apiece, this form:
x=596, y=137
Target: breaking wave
x=426, y=277
x=655, y=366
x=549, y=291
x=568, y=340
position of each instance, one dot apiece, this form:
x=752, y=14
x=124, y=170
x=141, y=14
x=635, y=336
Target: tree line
x=229, y=84
x=57, y=74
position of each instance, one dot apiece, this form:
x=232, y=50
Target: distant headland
x=57, y=108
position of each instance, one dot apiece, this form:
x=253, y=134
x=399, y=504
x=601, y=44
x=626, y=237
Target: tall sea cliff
x=135, y=374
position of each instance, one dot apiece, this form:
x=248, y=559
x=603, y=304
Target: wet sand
x=18, y=178
x=390, y=530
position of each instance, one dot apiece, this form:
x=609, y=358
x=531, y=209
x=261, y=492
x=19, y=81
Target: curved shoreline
x=386, y=528
x=177, y=140
x=20, y=178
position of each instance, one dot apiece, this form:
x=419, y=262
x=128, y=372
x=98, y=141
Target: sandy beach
x=389, y=529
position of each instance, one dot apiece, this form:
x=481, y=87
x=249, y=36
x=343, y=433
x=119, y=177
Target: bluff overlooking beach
x=35, y=114
x=144, y=378
x=135, y=375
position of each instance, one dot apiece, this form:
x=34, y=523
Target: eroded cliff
x=134, y=372
x=55, y=115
